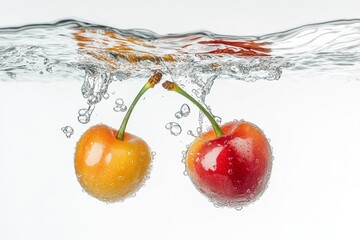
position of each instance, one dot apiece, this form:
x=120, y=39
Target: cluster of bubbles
x=94, y=89
x=119, y=105
x=174, y=127
x=68, y=131
x=183, y=112
x=85, y=114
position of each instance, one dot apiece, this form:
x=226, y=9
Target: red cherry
x=232, y=169
x=230, y=164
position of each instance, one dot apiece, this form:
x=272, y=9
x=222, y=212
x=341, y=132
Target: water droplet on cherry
x=239, y=208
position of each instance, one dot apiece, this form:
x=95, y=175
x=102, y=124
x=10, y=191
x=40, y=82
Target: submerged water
x=300, y=86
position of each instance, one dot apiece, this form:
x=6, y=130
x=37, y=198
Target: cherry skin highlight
x=109, y=169
x=233, y=169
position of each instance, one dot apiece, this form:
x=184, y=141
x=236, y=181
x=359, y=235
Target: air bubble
x=189, y=132
x=123, y=108
x=119, y=101
x=175, y=128
x=197, y=93
x=83, y=119
x=239, y=208
x=185, y=110
x=183, y=160
x=185, y=173
x=82, y=111
x=69, y=131
x=234, y=69
x=117, y=108
x=178, y=115
x=106, y=96
x=91, y=108
x=218, y=119
x=153, y=154
x=120, y=106
x=85, y=114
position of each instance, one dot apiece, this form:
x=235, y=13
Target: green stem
x=174, y=87
x=150, y=84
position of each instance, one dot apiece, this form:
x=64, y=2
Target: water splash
x=99, y=55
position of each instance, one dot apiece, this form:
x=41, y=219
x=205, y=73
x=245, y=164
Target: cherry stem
x=154, y=79
x=172, y=86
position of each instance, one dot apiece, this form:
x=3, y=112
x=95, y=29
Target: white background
x=313, y=125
